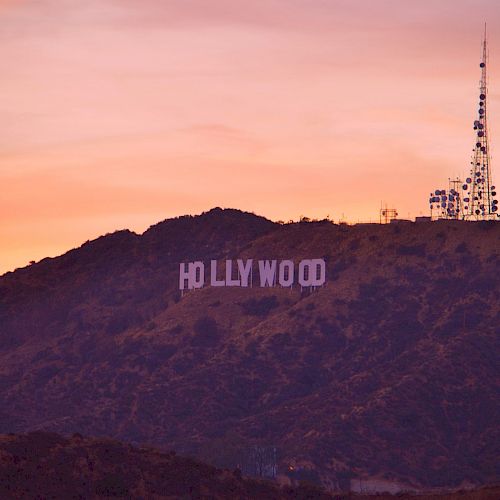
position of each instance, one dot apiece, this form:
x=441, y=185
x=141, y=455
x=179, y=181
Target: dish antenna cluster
x=475, y=198
x=447, y=203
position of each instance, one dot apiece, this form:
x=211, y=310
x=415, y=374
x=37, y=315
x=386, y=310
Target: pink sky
x=120, y=113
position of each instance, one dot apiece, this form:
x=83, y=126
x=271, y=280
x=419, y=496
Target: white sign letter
x=183, y=276
x=318, y=272
x=286, y=273
x=244, y=271
x=213, y=275
x=229, y=274
x=305, y=272
x=197, y=274
x=267, y=272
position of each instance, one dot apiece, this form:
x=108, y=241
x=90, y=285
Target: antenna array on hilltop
x=473, y=199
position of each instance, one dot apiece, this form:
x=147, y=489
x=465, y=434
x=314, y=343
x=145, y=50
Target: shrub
x=206, y=331
x=112, y=485
x=418, y=250
x=260, y=307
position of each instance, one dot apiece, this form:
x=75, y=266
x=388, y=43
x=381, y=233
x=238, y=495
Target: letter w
x=267, y=272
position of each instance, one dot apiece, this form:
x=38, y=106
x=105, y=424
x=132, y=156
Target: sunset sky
x=120, y=113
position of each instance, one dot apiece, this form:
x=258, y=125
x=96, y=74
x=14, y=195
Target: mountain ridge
x=388, y=370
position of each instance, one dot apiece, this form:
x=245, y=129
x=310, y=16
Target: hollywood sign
x=309, y=273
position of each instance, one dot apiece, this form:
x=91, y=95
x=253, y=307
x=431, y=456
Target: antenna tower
x=387, y=214
x=479, y=201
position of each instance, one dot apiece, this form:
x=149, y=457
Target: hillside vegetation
x=46, y=465
x=388, y=372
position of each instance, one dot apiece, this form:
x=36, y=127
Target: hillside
x=387, y=372
x=46, y=465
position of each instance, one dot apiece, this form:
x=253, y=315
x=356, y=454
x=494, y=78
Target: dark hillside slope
x=387, y=372
x=46, y=465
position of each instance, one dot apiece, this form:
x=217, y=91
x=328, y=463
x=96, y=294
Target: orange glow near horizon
x=120, y=113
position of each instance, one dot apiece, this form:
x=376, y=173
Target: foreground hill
x=387, y=373
x=46, y=465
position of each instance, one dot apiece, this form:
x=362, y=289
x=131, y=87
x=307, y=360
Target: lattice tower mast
x=479, y=202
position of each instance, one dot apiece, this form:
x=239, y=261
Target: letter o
x=286, y=265
x=304, y=265
x=197, y=274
